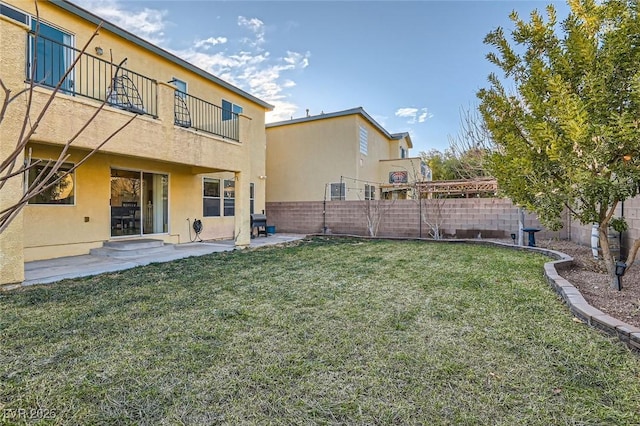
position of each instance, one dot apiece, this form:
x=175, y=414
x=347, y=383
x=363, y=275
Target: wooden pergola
x=466, y=187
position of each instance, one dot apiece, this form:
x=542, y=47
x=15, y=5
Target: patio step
x=122, y=249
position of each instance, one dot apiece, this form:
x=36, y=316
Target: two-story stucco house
x=344, y=155
x=195, y=150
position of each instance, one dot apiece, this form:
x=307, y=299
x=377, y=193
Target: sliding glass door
x=139, y=203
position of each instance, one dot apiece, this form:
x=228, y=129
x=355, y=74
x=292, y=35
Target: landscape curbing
x=570, y=295
x=581, y=309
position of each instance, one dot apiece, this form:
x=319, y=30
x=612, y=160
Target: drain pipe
x=324, y=210
x=420, y=213
x=520, y=226
x=620, y=234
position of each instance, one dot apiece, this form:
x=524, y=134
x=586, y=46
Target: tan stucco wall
x=61, y=230
x=303, y=157
x=410, y=165
x=148, y=144
x=368, y=165
x=12, y=69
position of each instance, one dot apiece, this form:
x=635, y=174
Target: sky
x=412, y=65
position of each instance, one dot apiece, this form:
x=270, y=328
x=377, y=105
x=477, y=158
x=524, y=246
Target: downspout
x=420, y=211
x=324, y=210
x=623, y=250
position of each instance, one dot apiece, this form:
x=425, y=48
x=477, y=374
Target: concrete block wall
x=632, y=215
x=401, y=218
x=581, y=234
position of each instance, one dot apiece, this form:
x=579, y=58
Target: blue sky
x=412, y=65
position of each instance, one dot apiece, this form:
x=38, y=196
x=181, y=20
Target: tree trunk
x=606, y=251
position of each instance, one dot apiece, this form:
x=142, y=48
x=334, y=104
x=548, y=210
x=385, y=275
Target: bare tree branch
x=52, y=172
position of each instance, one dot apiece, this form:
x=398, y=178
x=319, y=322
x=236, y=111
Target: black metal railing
x=92, y=77
x=199, y=114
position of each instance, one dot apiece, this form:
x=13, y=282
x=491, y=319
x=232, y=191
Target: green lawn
x=323, y=332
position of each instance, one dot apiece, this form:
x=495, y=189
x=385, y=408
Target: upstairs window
x=363, y=140
x=403, y=152
x=338, y=191
x=14, y=14
x=181, y=86
x=51, y=55
x=230, y=110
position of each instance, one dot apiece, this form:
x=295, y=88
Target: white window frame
x=235, y=110
x=211, y=197
x=229, y=195
x=252, y=197
x=364, y=140
x=27, y=17
x=369, y=192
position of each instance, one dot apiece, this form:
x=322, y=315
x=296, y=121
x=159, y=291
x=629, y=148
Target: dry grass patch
x=324, y=332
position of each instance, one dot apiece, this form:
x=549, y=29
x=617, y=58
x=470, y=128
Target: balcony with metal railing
x=98, y=79
x=163, y=111
x=196, y=113
x=92, y=77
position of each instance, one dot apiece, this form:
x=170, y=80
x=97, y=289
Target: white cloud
x=283, y=110
x=295, y=59
x=424, y=115
x=254, y=69
x=209, y=43
x=146, y=23
x=251, y=68
x=256, y=26
x=256, y=72
x=414, y=115
x=406, y=112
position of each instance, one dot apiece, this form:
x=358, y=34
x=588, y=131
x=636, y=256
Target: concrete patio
x=52, y=270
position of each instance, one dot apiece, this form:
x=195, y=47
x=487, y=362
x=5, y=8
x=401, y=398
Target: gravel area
x=589, y=276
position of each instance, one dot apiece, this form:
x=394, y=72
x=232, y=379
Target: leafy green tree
x=435, y=160
x=568, y=134
x=448, y=166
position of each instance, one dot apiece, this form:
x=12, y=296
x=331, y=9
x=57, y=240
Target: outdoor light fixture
x=621, y=268
x=99, y=51
x=513, y=237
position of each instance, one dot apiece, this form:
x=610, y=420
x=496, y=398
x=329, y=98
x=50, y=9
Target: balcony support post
x=242, y=217
x=166, y=104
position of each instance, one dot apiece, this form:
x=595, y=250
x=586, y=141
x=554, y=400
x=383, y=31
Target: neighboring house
x=343, y=155
x=196, y=149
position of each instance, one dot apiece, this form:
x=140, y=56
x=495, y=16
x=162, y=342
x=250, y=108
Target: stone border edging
x=595, y=318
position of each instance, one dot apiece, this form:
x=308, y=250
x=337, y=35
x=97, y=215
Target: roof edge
x=352, y=111
x=95, y=19
x=403, y=135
